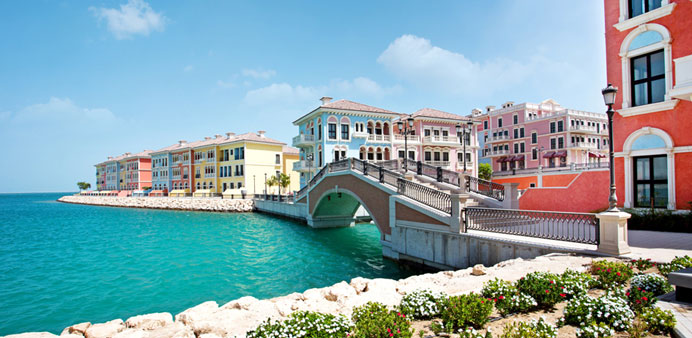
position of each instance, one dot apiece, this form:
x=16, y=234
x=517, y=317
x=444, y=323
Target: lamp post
x=407, y=129
x=309, y=158
x=465, y=132
x=609, y=94
x=265, y=183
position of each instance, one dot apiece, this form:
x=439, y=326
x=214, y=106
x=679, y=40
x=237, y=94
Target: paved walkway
x=682, y=312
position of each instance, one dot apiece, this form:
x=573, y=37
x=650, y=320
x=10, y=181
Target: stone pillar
x=613, y=233
x=511, y=196
x=455, y=224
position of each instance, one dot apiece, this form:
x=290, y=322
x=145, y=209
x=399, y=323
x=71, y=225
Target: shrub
x=642, y=264
x=422, y=304
x=533, y=329
x=639, y=299
x=472, y=333
x=611, y=273
x=574, y=283
x=465, y=310
x=678, y=263
x=658, y=321
x=595, y=330
x=611, y=309
x=543, y=287
x=651, y=282
x=304, y=324
x=660, y=220
x=507, y=297
x=374, y=320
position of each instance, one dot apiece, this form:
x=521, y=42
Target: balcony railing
x=409, y=138
x=441, y=139
x=301, y=165
x=498, y=153
x=500, y=137
x=303, y=140
x=583, y=128
x=437, y=163
x=584, y=145
x=379, y=138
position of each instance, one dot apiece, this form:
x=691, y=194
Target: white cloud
x=258, y=73
x=62, y=110
x=135, y=17
x=416, y=60
x=188, y=68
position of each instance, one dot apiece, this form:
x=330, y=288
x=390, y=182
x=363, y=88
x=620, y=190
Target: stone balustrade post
x=511, y=200
x=613, y=233
x=455, y=224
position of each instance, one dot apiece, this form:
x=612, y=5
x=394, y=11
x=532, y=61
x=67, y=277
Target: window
x=485, y=125
x=278, y=159
x=332, y=131
x=499, y=123
x=319, y=132
x=428, y=156
x=552, y=127
x=516, y=148
x=534, y=138
x=532, y=185
x=534, y=154
x=402, y=154
x=521, y=132
x=515, y=119
x=436, y=156
x=516, y=133
x=651, y=181
x=344, y=132
x=639, y=7
x=648, y=78
x=560, y=126
x=522, y=147
x=552, y=143
x=445, y=157
x=426, y=132
x=560, y=143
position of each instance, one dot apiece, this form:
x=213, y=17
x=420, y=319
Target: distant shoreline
x=179, y=204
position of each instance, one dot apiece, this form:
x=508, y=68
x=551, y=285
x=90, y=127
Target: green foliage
x=574, y=283
x=83, y=185
x=284, y=181
x=304, y=324
x=611, y=273
x=659, y=220
x=595, y=330
x=611, y=309
x=422, y=304
x=639, y=299
x=470, y=332
x=533, y=329
x=678, y=263
x=507, y=298
x=658, y=321
x=544, y=287
x=374, y=320
x=460, y=312
x=652, y=282
x=642, y=264
x=485, y=171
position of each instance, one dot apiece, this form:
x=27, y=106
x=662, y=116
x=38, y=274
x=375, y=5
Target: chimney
x=260, y=133
x=508, y=104
x=489, y=108
x=182, y=143
x=128, y=154
x=218, y=136
x=229, y=135
x=325, y=100
x=207, y=138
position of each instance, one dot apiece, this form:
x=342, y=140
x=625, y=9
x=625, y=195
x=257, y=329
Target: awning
x=549, y=154
x=504, y=159
x=560, y=153
x=519, y=158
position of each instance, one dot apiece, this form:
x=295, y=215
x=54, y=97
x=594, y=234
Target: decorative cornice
x=644, y=18
x=648, y=108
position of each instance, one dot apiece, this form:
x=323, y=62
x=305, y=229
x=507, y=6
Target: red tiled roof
x=290, y=150
x=350, y=105
x=429, y=112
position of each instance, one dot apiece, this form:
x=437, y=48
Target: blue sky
x=83, y=80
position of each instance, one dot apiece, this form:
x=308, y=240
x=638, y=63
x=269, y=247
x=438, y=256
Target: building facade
x=137, y=173
x=649, y=58
x=525, y=137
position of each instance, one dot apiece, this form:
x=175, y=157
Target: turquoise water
x=62, y=264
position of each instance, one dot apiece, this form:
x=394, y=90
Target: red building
x=649, y=58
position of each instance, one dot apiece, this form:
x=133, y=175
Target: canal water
x=62, y=264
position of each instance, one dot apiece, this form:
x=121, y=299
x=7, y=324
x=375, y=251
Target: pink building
x=138, y=171
x=525, y=137
x=435, y=140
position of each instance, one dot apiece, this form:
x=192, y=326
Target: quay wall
x=171, y=203
x=297, y=211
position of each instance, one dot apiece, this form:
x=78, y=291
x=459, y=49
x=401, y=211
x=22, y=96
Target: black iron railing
x=340, y=165
x=428, y=196
x=561, y=226
x=487, y=188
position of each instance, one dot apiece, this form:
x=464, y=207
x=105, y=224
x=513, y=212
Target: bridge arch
x=340, y=202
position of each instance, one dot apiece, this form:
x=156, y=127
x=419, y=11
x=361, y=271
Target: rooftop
x=434, y=113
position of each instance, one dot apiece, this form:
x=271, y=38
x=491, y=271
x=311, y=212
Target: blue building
x=341, y=129
x=160, y=169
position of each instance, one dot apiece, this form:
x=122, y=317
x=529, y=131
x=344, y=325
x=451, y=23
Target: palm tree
x=284, y=181
x=271, y=181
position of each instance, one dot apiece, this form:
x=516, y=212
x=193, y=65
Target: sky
x=84, y=80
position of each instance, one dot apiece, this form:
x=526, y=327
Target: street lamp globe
x=458, y=128
x=609, y=94
x=410, y=122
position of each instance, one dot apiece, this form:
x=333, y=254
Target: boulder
x=105, y=330
x=131, y=333
x=241, y=303
x=149, y=321
x=339, y=292
x=79, y=329
x=478, y=270
x=175, y=330
x=359, y=284
x=32, y=335
x=196, y=313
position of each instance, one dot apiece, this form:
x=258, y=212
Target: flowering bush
x=639, y=299
x=611, y=309
x=651, y=282
x=611, y=273
x=533, y=329
x=465, y=310
x=678, y=263
x=658, y=321
x=595, y=330
x=472, y=333
x=507, y=298
x=375, y=320
x=544, y=287
x=304, y=324
x=642, y=264
x=574, y=283
x=422, y=304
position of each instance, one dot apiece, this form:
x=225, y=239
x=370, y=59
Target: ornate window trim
x=625, y=23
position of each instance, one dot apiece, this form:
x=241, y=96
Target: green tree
x=485, y=171
x=83, y=185
x=271, y=181
x=284, y=181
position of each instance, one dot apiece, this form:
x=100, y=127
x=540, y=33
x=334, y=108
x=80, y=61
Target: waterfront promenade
x=170, y=203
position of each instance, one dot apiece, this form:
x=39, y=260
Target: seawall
x=170, y=203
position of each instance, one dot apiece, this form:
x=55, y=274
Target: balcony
x=410, y=138
x=498, y=138
x=583, y=129
x=498, y=153
x=303, y=140
x=442, y=140
x=437, y=163
x=683, y=79
x=379, y=138
x=301, y=166
x=583, y=145
x=360, y=134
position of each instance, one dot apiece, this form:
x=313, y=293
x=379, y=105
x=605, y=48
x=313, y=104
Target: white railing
x=441, y=139
x=409, y=138
x=497, y=153
x=584, y=145
x=379, y=138
x=301, y=165
x=583, y=128
x=303, y=139
x=437, y=163
x=500, y=137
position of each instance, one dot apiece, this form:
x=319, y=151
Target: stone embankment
x=172, y=203
x=235, y=318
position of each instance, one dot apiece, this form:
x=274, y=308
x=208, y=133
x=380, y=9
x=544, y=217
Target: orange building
x=649, y=58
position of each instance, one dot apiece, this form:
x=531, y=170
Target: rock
x=149, y=321
x=79, y=329
x=198, y=312
x=175, y=330
x=339, y=292
x=131, y=333
x=478, y=270
x=359, y=284
x=32, y=335
x=241, y=303
x=105, y=330
x=209, y=335
x=71, y=335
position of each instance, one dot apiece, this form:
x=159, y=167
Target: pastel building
x=649, y=58
x=101, y=176
x=137, y=173
x=435, y=140
x=341, y=129
x=528, y=136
